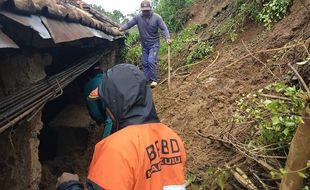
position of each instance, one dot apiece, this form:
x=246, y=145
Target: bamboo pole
x=169, y=68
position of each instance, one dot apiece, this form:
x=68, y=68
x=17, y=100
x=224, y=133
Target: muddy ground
x=202, y=98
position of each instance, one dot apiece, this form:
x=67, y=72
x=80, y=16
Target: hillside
x=203, y=97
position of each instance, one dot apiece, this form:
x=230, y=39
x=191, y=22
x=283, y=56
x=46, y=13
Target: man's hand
x=65, y=177
x=117, y=31
x=169, y=41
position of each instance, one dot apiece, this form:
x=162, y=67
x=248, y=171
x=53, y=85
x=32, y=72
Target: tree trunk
x=298, y=156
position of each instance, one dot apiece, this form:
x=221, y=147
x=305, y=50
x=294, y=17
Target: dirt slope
x=207, y=104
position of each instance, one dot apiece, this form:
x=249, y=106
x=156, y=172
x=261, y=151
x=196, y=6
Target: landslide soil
x=207, y=104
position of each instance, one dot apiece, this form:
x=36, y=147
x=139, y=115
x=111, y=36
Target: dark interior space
x=66, y=55
x=68, y=135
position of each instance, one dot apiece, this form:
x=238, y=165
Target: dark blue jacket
x=148, y=28
x=95, y=107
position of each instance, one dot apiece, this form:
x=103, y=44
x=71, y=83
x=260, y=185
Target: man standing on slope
x=148, y=23
x=142, y=153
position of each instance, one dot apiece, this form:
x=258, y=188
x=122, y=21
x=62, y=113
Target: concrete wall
x=19, y=162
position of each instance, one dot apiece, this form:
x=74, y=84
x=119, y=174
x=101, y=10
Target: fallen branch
x=274, y=97
x=184, y=66
x=213, y=62
x=261, y=181
x=215, y=118
x=225, y=67
x=260, y=149
x=299, y=77
x=257, y=52
x=265, y=165
x=242, y=178
x=212, y=137
x=190, y=65
x=306, y=50
x=284, y=47
x=183, y=76
x=237, y=159
x=242, y=150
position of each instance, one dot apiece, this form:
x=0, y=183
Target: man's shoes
x=153, y=84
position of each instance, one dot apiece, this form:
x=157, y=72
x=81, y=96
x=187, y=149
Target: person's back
x=142, y=153
x=147, y=156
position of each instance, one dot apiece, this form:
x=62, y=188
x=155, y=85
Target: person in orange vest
x=141, y=153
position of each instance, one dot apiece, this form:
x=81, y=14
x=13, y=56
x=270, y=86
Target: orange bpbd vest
x=140, y=157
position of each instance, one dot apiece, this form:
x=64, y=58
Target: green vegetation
x=276, y=119
x=132, y=51
x=186, y=36
x=134, y=55
x=266, y=12
x=274, y=10
x=276, y=112
x=215, y=177
x=199, y=51
x=221, y=179
x=175, y=13
x=244, y=10
x=116, y=15
x=187, y=43
x=301, y=172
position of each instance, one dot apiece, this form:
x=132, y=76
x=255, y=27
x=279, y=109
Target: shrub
x=273, y=11
x=275, y=119
x=132, y=51
x=199, y=51
x=175, y=13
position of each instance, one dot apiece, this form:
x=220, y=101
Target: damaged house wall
x=18, y=70
x=19, y=144
x=20, y=166
x=40, y=39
